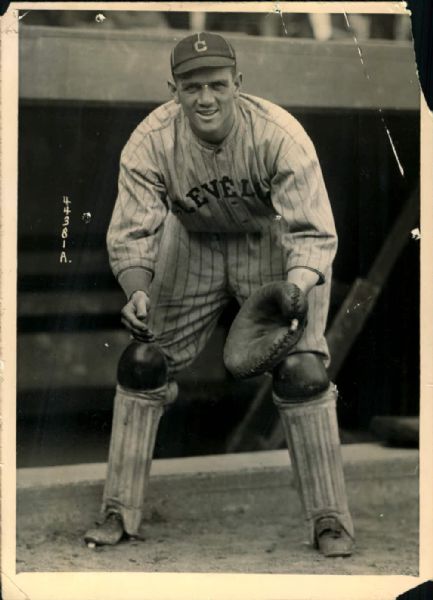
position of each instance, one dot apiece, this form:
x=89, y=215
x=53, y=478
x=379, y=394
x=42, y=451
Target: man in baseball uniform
x=220, y=192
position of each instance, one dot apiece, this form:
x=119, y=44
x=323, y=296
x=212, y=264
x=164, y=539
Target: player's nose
x=205, y=97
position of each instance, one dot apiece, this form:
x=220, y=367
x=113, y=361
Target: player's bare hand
x=134, y=316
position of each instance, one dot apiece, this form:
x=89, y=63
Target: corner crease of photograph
x=216, y=258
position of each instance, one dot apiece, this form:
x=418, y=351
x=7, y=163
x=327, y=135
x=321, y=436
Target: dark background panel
x=74, y=150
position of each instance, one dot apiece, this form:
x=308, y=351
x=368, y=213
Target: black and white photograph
x=216, y=285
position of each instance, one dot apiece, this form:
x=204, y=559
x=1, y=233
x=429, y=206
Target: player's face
x=208, y=98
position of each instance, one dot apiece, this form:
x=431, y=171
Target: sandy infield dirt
x=248, y=521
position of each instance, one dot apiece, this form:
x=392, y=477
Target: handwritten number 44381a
x=65, y=229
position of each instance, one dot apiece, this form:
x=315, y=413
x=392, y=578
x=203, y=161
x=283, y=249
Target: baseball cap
x=201, y=50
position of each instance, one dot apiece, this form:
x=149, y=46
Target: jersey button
x=218, y=151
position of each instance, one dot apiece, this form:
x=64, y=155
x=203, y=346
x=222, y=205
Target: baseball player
x=220, y=193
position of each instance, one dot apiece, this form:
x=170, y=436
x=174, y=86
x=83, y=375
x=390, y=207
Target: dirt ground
x=246, y=522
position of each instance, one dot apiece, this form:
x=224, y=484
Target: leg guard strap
x=135, y=422
x=314, y=445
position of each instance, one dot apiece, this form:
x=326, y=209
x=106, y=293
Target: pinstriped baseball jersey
x=207, y=222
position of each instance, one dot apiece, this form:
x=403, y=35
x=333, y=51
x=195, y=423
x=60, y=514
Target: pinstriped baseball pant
x=198, y=273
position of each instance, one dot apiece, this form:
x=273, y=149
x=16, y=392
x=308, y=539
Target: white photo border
x=190, y=586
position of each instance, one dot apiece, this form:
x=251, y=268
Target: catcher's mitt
x=269, y=323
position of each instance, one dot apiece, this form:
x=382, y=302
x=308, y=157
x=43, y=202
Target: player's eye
x=219, y=86
x=191, y=88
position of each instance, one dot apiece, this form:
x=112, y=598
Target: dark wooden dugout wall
x=82, y=92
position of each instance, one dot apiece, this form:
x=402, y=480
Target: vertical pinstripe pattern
x=314, y=445
x=261, y=190
x=135, y=422
x=188, y=295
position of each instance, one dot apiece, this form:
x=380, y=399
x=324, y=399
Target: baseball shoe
x=109, y=533
x=331, y=538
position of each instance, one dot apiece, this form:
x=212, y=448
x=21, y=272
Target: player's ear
x=237, y=80
x=172, y=88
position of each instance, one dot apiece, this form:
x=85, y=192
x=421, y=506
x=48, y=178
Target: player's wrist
x=305, y=279
x=135, y=279
x=137, y=293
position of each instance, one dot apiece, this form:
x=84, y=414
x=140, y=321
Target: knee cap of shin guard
x=142, y=367
x=300, y=375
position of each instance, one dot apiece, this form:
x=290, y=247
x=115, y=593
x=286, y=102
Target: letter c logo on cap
x=200, y=46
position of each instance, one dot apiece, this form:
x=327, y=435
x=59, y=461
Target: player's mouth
x=207, y=115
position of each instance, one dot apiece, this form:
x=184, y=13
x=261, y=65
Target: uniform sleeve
x=137, y=221
x=299, y=195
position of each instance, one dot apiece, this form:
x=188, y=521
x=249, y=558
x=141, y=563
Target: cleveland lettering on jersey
x=219, y=189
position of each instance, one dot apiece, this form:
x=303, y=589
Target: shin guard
x=135, y=423
x=314, y=446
